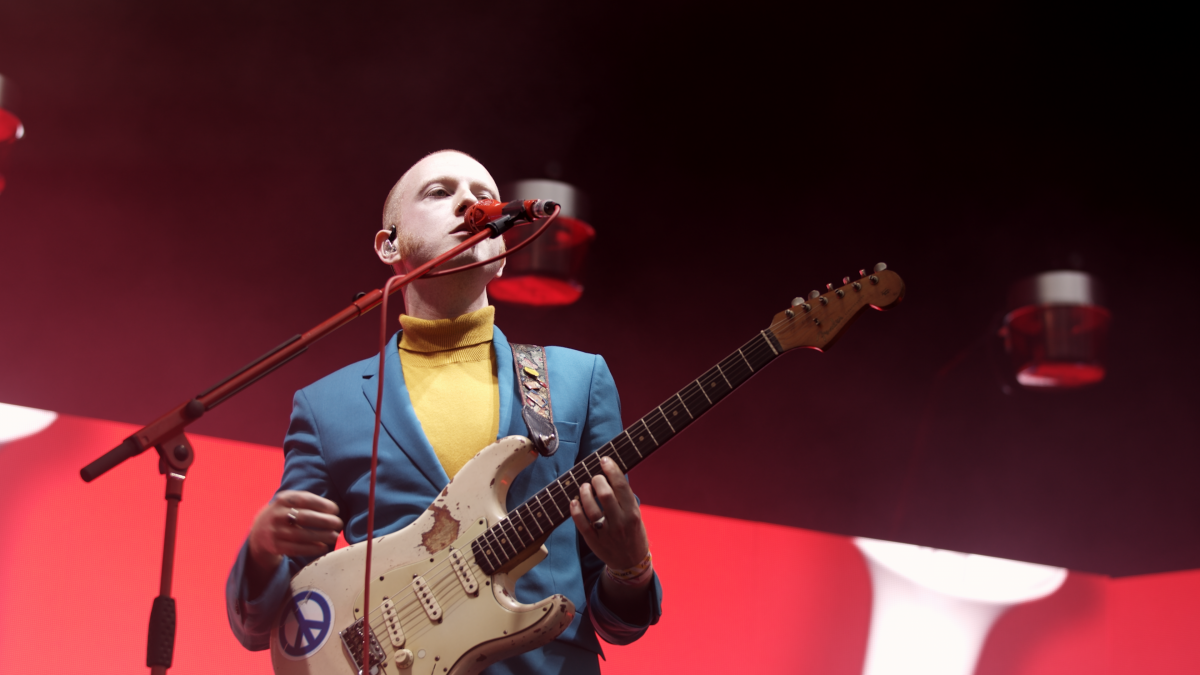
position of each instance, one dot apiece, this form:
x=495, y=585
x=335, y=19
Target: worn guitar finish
x=446, y=604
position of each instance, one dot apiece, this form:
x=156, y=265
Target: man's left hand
x=621, y=540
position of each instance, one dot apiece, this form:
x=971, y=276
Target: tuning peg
x=813, y=295
x=829, y=287
x=796, y=302
x=879, y=267
x=845, y=280
x=862, y=273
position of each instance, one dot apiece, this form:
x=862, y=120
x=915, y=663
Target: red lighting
x=11, y=129
x=547, y=272
x=1056, y=330
x=1057, y=346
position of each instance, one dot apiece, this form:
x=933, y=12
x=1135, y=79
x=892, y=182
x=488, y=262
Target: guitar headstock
x=816, y=321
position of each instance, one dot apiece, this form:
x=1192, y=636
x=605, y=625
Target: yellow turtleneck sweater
x=450, y=372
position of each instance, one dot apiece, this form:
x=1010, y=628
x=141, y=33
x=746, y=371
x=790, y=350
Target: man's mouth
x=461, y=228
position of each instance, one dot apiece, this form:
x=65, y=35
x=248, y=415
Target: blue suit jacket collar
x=399, y=420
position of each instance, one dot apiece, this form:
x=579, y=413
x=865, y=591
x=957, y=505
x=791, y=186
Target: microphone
x=485, y=212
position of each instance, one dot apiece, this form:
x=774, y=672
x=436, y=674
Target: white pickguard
x=472, y=631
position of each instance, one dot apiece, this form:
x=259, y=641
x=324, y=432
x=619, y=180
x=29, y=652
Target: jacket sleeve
x=252, y=611
x=602, y=425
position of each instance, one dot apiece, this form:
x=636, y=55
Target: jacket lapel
x=399, y=419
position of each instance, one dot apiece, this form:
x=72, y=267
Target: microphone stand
x=175, y=452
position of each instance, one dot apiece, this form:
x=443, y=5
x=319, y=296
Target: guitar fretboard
x=532, y=521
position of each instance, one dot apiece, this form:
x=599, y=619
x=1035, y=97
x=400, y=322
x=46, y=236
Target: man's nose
x=464, y=203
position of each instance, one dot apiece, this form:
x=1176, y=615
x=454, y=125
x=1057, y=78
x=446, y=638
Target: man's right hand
x=295, y=523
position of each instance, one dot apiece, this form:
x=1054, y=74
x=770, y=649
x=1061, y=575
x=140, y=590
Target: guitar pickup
x=352, y=641
x=426, y=598
x=392, y=620
x=459, y=562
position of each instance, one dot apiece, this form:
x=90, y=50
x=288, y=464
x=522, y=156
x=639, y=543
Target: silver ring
x=598, y=524
x=291, y=516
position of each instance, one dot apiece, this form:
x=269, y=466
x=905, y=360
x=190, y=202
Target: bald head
x=391, y=205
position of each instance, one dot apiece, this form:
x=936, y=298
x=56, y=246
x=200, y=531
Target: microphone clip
x=502, y=224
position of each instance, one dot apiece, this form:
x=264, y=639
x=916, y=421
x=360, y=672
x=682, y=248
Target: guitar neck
x=530, y=522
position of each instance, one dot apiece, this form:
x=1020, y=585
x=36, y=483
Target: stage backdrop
x=80, y=565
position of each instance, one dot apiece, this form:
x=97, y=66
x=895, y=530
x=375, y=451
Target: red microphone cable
x=405, y=279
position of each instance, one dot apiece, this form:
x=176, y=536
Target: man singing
x=443, y=403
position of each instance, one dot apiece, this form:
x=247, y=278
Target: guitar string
x=759, y=345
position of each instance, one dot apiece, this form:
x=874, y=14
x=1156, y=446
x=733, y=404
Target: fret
x=670, y=410
x=572, y=480
x=769, y=340
x=566, y=493
x=617, y=456
x=659, y=428
x=541, y=511
x=523, y=527
x=703, y=392
x=497, y=543
x=735, y=370
x=488, y=555
x=643, y=437
x=696, y=405
x=635, y=447
x=685, y=408
x=507, y=537
x=722, y=372
x=746, y=360
x=666, y=419
x=614, y=450
x=712, y=386
x=554, y=502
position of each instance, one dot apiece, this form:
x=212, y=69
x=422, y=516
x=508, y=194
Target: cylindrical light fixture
x=932, y=610
x=11, y=129
x=1056, y=330
x=550, y=270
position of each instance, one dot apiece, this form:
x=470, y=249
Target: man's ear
x=387, y=251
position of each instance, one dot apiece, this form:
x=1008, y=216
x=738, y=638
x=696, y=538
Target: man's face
x=428, y=204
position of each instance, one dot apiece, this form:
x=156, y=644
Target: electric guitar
x=443, y=603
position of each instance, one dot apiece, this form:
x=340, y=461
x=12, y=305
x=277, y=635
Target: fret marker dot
x=641, y=438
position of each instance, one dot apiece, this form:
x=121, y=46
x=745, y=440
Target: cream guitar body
x=433, y=610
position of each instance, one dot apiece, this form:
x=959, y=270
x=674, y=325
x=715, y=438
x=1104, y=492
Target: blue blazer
x=328, y=452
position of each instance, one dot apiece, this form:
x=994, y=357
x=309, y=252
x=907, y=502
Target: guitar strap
x=533, y=381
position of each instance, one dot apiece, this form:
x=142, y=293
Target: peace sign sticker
x=306, y=624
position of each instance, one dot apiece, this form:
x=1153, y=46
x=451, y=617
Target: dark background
x=200, y=181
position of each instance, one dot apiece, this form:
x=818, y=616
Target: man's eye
x=439, y=192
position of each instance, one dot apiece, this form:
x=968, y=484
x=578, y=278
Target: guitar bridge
x=352, y=641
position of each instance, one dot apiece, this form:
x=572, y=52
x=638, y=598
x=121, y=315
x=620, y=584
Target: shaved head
x=391, y=205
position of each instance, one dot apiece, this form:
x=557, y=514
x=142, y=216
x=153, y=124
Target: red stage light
x=1056, y=332
x=11, y=130
x=548, y=271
